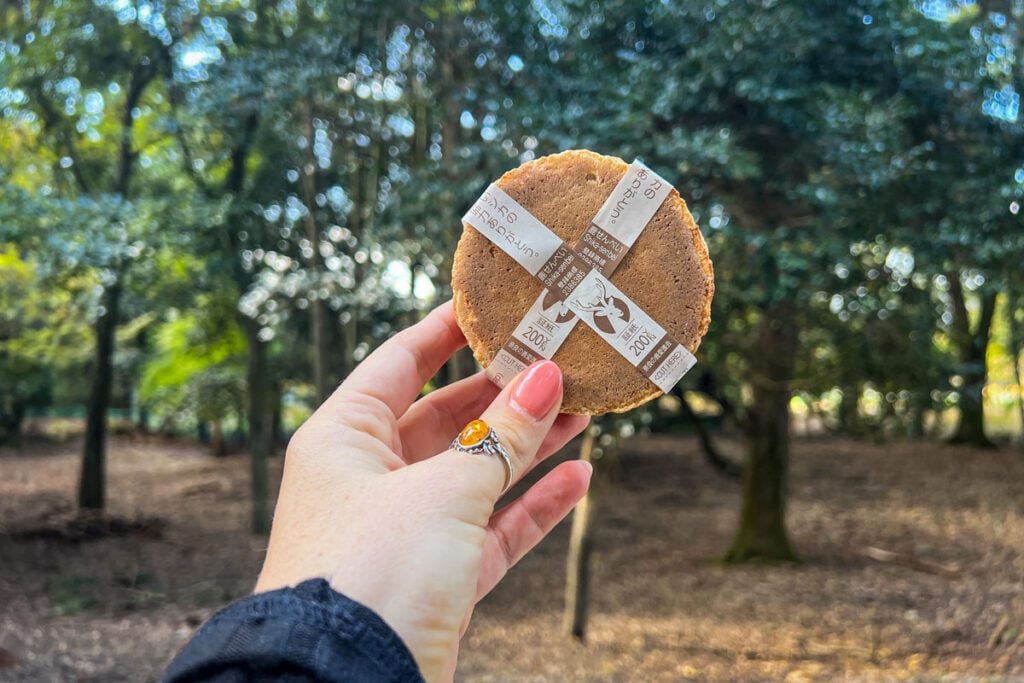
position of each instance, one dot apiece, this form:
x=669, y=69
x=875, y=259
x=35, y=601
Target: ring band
x=479, y=437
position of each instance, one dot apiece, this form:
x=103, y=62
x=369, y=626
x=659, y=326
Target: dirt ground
x=109, y=600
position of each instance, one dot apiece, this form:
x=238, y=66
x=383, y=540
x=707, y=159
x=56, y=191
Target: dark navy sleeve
x=306, y=633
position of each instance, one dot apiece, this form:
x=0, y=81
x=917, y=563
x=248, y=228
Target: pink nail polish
x=538, y=389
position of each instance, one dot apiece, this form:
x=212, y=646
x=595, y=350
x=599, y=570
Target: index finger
x=397, y=371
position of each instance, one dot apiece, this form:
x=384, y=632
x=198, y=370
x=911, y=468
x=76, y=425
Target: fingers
x=521, y=416
x=396, y=372
x=562, y=431
x=515, y=530
x=524, y=412
x=428, y=427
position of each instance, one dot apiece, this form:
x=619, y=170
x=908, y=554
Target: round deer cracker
x=667, y=272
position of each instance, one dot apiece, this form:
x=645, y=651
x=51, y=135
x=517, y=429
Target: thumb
x=519, y=417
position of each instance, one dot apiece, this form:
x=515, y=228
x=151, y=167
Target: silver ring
x=479, y=437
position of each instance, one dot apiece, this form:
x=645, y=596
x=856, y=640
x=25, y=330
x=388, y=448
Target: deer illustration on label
x=610, y=313
x=554, y=306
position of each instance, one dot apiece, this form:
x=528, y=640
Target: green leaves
x=292, y=158
x=197, y=365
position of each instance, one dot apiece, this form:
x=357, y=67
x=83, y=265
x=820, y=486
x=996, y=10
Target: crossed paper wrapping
x=576, y=280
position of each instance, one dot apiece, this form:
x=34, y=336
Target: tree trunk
x=707, y=443
x=350, y=327
x=92, y=479
x=1016, y=344
x=258, y=387
x=577, y=565
x=762, y=529
x=11, y=421
x=350, y=340
x=317, y=308
x=277, y=437
x=320, y=352
x=412, y=316
x=91, y=484
x=218, y=448
x=919, y=403
x=461, y=365
x=142, y=424
x=972, y=345
x=849, y=417
x=142, y=419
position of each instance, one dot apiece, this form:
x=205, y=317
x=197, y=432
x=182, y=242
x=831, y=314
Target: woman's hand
x=374, y=501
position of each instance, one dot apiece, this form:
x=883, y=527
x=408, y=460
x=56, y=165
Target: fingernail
x=538, y=389
x=589, y=468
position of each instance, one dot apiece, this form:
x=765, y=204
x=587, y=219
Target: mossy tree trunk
x=762, y=529
x=972, y=345
x=1016, y=345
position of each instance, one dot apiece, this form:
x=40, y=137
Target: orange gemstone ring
x=478, y=437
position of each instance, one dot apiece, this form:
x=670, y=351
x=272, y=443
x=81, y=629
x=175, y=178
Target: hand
x=374, y=501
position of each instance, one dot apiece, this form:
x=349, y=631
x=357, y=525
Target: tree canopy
x=218, y=208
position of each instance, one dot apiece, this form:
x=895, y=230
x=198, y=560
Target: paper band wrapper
x=576, y=280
